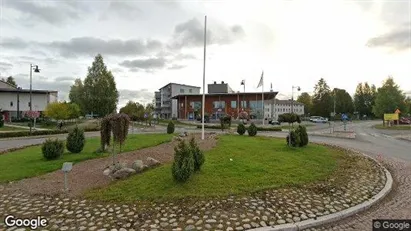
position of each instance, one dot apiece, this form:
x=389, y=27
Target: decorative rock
x=106, y=171
x=151, y=162
x=138, y=166
x=124, y=173
x=190, y=221
x=190, y=227
x=281, y=221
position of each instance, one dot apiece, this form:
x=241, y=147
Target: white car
x=318, y=119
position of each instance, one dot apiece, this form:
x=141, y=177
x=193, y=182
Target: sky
x=147, y=44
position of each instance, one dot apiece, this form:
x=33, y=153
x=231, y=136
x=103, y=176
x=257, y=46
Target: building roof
x=278, y=101
x=179, y=85
x=26, y=90
x=267, y=95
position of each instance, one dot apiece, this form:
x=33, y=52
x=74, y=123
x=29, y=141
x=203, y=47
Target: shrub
x=1, y=120
x=183, y=165
x=52, y=149
x=170, y=127
x=295, y=139
x=225, y=122
x=75, y=140
x=198, y=155
x=289, y=118
x=302, y=133
x=241, y=129
x=252, y=130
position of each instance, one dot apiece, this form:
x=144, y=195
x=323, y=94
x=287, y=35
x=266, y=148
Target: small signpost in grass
x=67, y=166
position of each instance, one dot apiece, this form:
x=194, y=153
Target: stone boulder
x=138, y=166
x=107, y=171
x=151, y=162
x=124, y=173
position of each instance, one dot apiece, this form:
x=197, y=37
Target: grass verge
x=273, y=165
x=29, y=162
x=394, y=127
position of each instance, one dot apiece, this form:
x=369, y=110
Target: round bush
x=302, y=133
x=75, y=140
x=183, y=165
x=252, y=130
x=170, y=127
x=241, y=129
x=52, y=149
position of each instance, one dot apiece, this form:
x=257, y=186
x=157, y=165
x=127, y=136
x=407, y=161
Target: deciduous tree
x=322, y=100
x=389, y=98
x=76, y=94
x=306, y=99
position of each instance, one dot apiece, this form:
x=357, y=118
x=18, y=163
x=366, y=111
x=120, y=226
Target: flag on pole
x=261, y=80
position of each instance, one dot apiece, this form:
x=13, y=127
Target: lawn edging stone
x=334, y=217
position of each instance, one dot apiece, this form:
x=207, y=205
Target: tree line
x=368, y=101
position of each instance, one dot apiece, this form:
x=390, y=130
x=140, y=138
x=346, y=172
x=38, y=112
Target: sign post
x=67, y=166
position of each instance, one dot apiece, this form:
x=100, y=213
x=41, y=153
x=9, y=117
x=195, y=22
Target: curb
x=324, y=135
x=310, y=223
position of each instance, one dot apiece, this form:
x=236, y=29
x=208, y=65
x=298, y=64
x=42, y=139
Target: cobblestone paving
x=230, y=213
x=397, y=205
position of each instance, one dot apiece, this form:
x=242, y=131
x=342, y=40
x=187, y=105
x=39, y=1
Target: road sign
x=145, y=115
x=397, y=111
x=391, y=116
x=344, y=117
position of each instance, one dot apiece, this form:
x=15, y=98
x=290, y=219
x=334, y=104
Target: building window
x=255, y=104
x=218, y=104
x=11, y=104
x=181, y=90
x=196, y=105
x=244, y=104
x=233, y=104
x=190, y=90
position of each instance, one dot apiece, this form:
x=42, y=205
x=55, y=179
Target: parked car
x=405, y=120
x=274, y=122
x=318, y=119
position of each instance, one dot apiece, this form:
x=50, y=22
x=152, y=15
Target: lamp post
x=243, y=83
x=37, y=70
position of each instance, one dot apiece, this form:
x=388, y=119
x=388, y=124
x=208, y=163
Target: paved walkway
x=24, y=127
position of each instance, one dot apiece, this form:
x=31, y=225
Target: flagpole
x=262, y=95
x=202, y=105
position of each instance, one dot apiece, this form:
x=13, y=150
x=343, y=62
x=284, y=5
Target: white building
x=14, y=101
x=278, y=107
x=165, y=106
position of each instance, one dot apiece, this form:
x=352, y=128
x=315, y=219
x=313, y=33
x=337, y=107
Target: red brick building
x=219, y=104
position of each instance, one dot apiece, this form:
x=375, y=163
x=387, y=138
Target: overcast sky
x=147, y=44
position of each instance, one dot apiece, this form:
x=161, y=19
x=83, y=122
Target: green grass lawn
x=273, y=165
x=29, y=162
x=9, y=129
x=394, y=127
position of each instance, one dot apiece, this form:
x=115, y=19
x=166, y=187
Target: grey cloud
x=176, y=67
x=122, y=9
x=13, y=43
x=191, y=34
x=397, y=40
x=65, y=79
x=141, y=96
x=148, y=63
x=54, y=14
x=90, y=46
x=5, y=66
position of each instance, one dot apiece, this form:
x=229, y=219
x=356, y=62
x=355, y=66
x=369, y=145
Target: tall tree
x=364, y=99
x=408, y=105
x=130, y=109
x=306, y=99
x=100, y=90
x=322, y=99
x=343, y=101
x=389, y=98
x=76, y=94
x=10, y=80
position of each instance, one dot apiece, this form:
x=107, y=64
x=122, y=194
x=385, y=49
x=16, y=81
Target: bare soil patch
x=89, y=174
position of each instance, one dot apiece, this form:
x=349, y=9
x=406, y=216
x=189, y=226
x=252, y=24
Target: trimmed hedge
x=40, y=132
x=261, y=129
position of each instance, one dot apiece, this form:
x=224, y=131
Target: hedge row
x=272, y=129
x=40, y=132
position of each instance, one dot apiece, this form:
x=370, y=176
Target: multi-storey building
x=166, y=106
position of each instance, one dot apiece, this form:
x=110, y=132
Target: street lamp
x=37, y=70
x=243, y=83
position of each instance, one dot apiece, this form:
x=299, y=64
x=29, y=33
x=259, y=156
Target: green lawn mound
x=238, y=165
x=29, y=162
